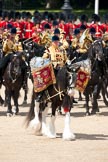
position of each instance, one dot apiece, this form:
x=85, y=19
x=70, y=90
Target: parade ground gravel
x=18, y=144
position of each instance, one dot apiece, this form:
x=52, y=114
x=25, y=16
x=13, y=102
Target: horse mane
x=91, y=51
x=62, y=78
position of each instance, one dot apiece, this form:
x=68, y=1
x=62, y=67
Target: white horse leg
x=67, y=134
x=44, y=126
x=35, y=123
x=51, y=130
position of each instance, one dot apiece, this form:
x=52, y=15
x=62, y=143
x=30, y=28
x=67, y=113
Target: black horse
x=31, y=49
x=13, y=79
x=105, y=83
x=98, y=70
x=55, y=95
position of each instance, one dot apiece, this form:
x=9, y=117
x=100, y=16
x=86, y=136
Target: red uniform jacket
x=28, y=29
x=4, y=24
x=99, y=30
x=71, y=28
x=19, y=28
x=105, y=27
x=64, y=27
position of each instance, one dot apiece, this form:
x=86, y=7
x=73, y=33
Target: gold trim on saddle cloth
x=43, y=77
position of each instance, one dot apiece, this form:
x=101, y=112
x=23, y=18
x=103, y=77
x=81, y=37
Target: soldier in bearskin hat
x=5, y=21
x=36, y=31
x=28, y=26
x=11, y=17
x=96, y=24
x=84, y=21
x=62, y=24
x=71, y=26
x=105, y=24
x=18, y=25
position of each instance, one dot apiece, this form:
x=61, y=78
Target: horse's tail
x=30, y=114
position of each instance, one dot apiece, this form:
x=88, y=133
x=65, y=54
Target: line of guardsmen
x=15, y=27
x=41, y=28
x=51, y=31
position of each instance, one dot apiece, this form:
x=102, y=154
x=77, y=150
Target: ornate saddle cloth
x=82, y=80
x=43, y=75
x=83, y=75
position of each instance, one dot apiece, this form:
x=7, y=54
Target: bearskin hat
x=95, y=17
x=47, y=26
x=84, y=18
x=17, y=15
x=5, y=14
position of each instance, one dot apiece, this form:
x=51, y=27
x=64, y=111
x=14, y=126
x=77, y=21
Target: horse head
x=96, y=51
x=15, y=66
x=66, y=77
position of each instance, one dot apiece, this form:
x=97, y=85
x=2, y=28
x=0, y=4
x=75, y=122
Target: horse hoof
x=9, y=114
x=24, y=103
x=35, y=124
x=51, y=136
x=69, y=138
x=87, y=114
x=59, y=113
x=93, y=113
x=5, y=104
x=80, y=99
x=15, y=113
x=1, y=102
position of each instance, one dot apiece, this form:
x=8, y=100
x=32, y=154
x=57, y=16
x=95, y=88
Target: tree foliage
x=56, y=4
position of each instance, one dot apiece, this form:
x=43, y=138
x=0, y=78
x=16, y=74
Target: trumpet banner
x=43, y=77
x=82, y=80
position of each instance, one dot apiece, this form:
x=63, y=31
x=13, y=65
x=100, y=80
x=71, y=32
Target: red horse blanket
x=82, y=80
x=43, y=77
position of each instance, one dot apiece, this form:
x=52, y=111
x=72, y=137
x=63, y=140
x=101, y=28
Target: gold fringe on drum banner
x=43, y=77
x=82, y=80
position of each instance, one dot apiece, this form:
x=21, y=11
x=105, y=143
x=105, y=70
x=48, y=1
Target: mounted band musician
x=81, y=44
x=52, y=82
x=10, y=46
x=57, y=57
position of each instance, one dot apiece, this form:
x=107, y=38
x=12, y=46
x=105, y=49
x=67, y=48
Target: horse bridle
x=10, y=75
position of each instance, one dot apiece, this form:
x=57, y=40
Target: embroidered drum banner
x=82, y=80
x=43, y=77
